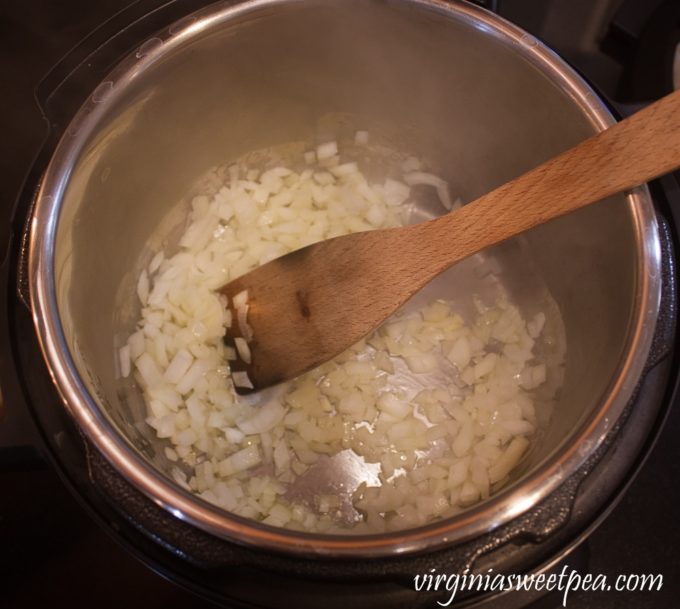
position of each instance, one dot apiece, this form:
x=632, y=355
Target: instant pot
x=566, y=494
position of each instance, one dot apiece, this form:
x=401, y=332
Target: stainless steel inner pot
x=444, y=80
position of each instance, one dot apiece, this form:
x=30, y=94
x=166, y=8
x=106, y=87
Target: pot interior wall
x=442, y=89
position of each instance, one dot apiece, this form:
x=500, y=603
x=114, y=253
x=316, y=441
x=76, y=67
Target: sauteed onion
x=436, y=409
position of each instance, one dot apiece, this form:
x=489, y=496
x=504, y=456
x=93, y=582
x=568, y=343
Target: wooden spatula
x=310, y=305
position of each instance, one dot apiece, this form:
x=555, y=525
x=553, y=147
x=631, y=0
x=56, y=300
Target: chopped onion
x=149, y=371
x=241, y=379
x=243, y=349
x=125, y=363
x=156, y=262
x=143, y=288
x=437, y=411
x=242, y=460
x=326, y=151
x=240, y=300
x=136, y=343
x=193, y=375
x=178, y=366
x=344, y=170
x=418, y=177
x=535, y=326
x=264, y=419
x=244, y=327
x=509, y=459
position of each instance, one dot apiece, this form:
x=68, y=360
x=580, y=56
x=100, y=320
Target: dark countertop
x=53, y=555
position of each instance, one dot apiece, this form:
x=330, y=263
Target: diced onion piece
x=395, y=192
x=352, y=404
x=165, y=394
x=244, y=326
x=388, y=402
x=344, y=170
x=326, y=150
x=445, y=196
x=178, y=366
x=149, y=370
x=462, y=443
x=243, y=349
x=436, y=448
x=376, y=215
x=518, y=427
x=533, y=376
x=240, y=300
x=234, y=435
x=469, y=493
x=240, y=461
x=415, y=178
x=185, y=438
x=192, y=376
x=137, y=346
x=143, y=287
x=421, y=363
x=281, y=457
x=419, y=177
x=535, y=326
x=241, y=379
x=156, y=262
x=509, y=459
x=485, y=365
x=264, y=419
x=125, y=362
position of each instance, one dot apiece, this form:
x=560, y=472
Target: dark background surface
x=51, y=552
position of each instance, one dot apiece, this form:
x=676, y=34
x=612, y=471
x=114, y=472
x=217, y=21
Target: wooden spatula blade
x=328, y=307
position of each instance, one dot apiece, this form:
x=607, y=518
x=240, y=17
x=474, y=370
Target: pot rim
x=502, y=507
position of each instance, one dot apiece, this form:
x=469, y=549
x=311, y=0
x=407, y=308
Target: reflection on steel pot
x=479, y=97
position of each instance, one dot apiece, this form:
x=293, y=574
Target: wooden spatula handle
x=632, y=152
